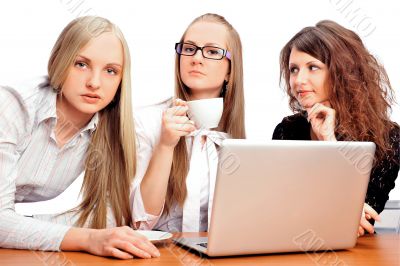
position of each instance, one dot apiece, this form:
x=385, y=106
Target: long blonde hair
x=232, y=120
x=111, y=159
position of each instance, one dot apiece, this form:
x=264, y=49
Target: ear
x=227, y=77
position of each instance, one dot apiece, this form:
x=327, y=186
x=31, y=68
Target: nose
x=301, y=77
x=197, y=57
x=94, y=80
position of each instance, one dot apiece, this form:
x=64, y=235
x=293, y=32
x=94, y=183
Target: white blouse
x=32, y=166
x=148, y=129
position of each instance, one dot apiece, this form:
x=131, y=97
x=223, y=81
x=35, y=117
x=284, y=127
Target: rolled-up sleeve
x=147, y=136
x=17, y=231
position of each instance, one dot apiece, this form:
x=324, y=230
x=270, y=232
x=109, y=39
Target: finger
x=188, y=127
x=321, y=108
x=180, y=102
x=327, y=104
x=360, y=231
x=369, y=210
x=180, y=110
x=318, y=111
x=181, y=120
x=127, y=246
x=114, y=252
x=147, y=246
x=310, y=110
x=367, y=226
x=150, y=247
x=177, y=110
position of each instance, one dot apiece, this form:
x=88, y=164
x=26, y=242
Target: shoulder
x=394, y=133
x=394, y=141
x=151, y=114
x=153, y=109
x=20, y=102
x=292, y=127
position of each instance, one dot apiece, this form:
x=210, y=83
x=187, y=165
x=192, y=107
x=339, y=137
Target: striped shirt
x=32, y=166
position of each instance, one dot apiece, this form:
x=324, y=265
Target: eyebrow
x=308, y=63
x=207, y=44
x=109, y=64
x=313, y=61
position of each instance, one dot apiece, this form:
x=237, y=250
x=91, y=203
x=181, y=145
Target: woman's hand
x=323, y=121
x=175, y=124
x=119, y=242
x=367, y=214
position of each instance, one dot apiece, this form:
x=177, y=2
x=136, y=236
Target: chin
x=88, y=110
x=307, y=103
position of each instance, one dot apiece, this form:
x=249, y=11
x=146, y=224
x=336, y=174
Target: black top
x=383, y=174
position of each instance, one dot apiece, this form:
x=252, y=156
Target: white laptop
x=286, y=196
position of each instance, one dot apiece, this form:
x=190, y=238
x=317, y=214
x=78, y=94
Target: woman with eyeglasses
x=77, y=119
x=339, y=91
x=208, y=65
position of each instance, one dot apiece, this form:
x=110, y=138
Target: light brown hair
x=232, y=120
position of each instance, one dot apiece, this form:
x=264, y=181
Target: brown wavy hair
x=359, y=91
x=232, y=120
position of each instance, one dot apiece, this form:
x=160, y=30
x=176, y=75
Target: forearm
x=155, y=182
x=21, y=232
x=76, y=239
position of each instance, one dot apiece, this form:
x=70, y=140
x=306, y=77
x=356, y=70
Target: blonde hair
x=232, y=120
x=111, y=159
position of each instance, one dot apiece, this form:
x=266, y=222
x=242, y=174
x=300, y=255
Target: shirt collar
x=47, y=103
x=92, y=125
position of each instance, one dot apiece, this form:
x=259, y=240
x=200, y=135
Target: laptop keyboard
x=203, y=245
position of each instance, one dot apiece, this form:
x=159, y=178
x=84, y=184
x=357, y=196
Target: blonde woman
x=208, y=65
x=78, y=118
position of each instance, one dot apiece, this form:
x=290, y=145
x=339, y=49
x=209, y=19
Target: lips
x=303, y=93
x=91, y=95
x=91, y=98
x=196, y=72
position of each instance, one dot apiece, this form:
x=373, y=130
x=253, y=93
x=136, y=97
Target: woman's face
x=205, y=77
x=94, y=78
x=308, y=79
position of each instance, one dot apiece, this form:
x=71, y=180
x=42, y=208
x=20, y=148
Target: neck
x=69, y=120
x=200, y=95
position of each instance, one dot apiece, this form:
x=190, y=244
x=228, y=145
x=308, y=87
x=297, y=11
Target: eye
x=188, y=49
x=213, y=51
x=293, y=70
x=111, y=71
x=80, y=64
x=313, y=67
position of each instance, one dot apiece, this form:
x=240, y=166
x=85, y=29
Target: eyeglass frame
x=225, y=53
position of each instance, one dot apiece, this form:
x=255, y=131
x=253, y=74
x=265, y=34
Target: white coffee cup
x=206, y=113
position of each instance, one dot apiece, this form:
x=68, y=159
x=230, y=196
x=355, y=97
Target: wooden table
x=370, y=250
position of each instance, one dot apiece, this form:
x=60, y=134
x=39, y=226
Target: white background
x=29, y=29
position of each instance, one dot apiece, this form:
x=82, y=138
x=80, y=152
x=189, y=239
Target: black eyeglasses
x=210, y=52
